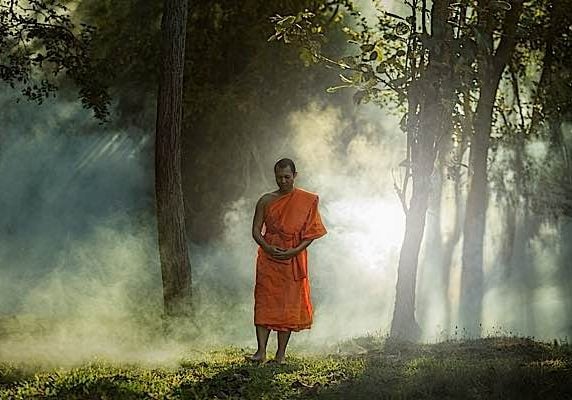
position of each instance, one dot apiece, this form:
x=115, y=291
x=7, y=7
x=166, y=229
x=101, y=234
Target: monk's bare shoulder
x=265, y=199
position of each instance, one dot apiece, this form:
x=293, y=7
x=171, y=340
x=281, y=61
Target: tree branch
x=508, y=40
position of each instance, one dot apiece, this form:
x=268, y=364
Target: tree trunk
x=404, y=325
x=431, y=92
x=430, y=274
x=524, y=268
x=434, y=276
x=472, y=276
x=453, y=239
x=173, y=252
x=491, y=65
x=508, y=239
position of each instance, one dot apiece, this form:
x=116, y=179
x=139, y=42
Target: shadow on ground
x=494, y=368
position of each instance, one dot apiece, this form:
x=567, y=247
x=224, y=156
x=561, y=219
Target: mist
x=80, y=273
x=79, y=267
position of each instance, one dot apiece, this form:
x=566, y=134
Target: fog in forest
x=79, y=266
x=80, y=271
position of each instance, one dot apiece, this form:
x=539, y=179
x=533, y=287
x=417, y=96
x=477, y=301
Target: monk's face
x=285, y=178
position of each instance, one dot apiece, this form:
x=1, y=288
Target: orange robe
x=282, y=292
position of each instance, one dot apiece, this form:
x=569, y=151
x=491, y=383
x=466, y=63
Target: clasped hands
x=280, y=253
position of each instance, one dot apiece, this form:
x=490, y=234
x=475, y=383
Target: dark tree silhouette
x=492, y=62
x=175, y=265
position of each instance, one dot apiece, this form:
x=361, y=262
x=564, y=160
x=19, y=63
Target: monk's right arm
x=273, y=251
x=257, y=225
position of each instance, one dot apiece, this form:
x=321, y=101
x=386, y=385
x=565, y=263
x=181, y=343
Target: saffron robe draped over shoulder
x=282, y=292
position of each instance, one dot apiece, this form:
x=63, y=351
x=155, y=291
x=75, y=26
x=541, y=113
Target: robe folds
x=282, y=291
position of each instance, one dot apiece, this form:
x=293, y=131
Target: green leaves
x=333, y=89
x=39, y=43
x=346, y=80
x=300, y=30
x=377, y=68
x=285, y=23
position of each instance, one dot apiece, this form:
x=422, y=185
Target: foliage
x=532, y=109
x=126, y=51
x=238, y=92
x=378, y=68
x=390, y=48
x=39, y=43
x=496, y=367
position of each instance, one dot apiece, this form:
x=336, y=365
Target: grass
x=492, y=368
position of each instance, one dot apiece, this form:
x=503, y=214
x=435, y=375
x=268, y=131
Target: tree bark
x=404, y=325
x=491, y=67
x=432, y=92
x=472, y=277
x=173, y=251
x=433, y=284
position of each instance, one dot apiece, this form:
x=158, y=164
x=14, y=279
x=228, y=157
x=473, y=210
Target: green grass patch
x=492, y=368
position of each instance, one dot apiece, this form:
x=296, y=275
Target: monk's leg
x=262, y=339
x=283, y=337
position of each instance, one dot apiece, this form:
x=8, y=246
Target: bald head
x=284, y=163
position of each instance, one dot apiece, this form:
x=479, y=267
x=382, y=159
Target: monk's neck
x=284, y=193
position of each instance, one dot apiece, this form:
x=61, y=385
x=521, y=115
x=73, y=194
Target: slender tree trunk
x=492, y=65
x=430, y=275
x=431, y=92
x=403, y=324
x=508, y=241
x=524, y=268
x=472, y=276
x=434, y=276
x=452, y=239
x=175, y=265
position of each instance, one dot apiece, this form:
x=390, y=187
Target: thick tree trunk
x=175, y=265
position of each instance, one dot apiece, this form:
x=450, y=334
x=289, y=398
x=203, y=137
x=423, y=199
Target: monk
x=285, y=223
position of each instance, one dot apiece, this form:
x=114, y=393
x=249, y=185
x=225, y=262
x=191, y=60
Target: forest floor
x=362, y=368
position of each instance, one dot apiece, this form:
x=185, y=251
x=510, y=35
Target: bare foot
x=279, y=359
x=256, y=358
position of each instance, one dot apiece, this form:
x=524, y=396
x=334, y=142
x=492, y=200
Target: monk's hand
x=286, y=254
x=274, y=251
